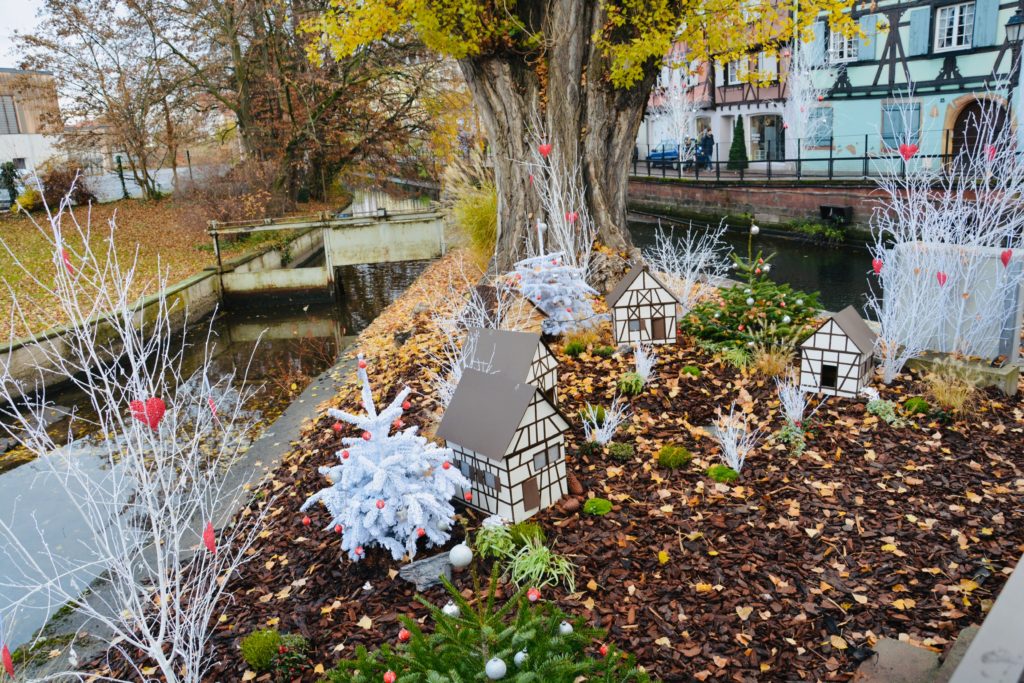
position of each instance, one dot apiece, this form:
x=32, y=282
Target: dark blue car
x=665, y=154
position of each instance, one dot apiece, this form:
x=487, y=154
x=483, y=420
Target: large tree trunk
x=586, y=119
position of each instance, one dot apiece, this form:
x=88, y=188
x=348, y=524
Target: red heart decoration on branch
x=8, y=661
x=990, y=152
x=209, y=538
x=877, y=265
x=571, y=216
x=66, y=258
x=149, y=412
x=941, y=277
x=907, y=151
x=544, y=149
x=1005, y=257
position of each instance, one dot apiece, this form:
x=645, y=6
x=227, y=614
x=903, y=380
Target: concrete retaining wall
x=374, y=241
x=774, y=202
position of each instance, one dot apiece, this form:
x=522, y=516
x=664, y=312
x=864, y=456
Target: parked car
x=665, y=154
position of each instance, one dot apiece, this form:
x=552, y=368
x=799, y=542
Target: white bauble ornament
x=443, y=525
x=495, y=669
x=754, y=229
x=520, y=658
x=766, y=267
x=786, y=319
x=718, y=315
x=750, y=301
x=799, y=302
x=460, y=556
x=565, y=628
x=452, y=610
x=750, y=344
x=746, y=291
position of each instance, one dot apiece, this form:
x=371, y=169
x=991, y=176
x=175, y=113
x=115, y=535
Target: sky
x=15, y=15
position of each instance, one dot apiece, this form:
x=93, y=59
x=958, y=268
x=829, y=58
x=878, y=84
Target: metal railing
x=817, y=162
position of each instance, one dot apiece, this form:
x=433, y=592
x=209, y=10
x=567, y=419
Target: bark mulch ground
x=792, y=573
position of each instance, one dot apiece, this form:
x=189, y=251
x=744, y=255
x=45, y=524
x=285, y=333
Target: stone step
x=899, y=662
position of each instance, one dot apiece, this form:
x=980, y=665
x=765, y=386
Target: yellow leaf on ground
x=662, y=557
x=744, y=612
x=838, y=642
x=704, y=587
x=861, y=599
x=249, y=675
x=318, y=669
x=904, y=603
x=663, y=641
x=365, y=623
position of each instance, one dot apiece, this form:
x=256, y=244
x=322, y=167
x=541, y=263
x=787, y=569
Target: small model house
x=517, y=356
x=508, y=439
x=837, y=358
x=643, y=309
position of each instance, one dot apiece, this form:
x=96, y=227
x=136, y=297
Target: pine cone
x=575, y=487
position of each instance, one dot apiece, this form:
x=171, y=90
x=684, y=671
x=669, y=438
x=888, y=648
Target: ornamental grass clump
x=537, y=565
x=621, y=451
x=631, y=384
x=604, y=351
x=952, y=388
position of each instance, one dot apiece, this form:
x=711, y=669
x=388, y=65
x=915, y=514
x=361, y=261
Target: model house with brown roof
x=838, y=357
x=643, y=309
x=509, y=440
x=517, y=356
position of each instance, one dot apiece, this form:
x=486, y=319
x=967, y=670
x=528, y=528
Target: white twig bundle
x=602, y=431
x=644, y=358
x=735, y=438
x=690, y=263
x=156, y=546
x=794, y=400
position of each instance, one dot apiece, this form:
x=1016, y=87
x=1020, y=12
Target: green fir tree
x=738, y=149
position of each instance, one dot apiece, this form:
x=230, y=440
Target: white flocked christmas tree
x=388, y=489
x=559, y=290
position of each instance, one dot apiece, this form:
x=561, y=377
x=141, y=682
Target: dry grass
x=952, y=387
x=771, y=361
x=169, y=236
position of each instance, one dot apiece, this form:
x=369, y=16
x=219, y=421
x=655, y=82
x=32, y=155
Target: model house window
x=829, y=376
x=735, y=71
x=540, y=461
x=490, y=480
x=819, y=127
x=552, y=454
x=634, y=325
x=901, y=124
x=19, y=163
x=841, y=49
x=954, y=26
x=8, y=116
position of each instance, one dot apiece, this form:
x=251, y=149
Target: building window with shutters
x=819, y=127
x=8, y=116
x=841, y=49
x=736, y=71
x=954, y=27
x=901, y=124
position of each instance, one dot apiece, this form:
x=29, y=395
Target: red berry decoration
x=533, y=595
x=390, y=677
x=362, y=364
x=336, y=427
x=603, y=650
x=468, y=496
x=344, y=455
x=404, y=635
x=359, y=550
x=366, y=436
x=397, y=424
x=446, y=465
x=339, y=528
x=421, y=532
x=306, y=521
x=380, y=504
x=282, y=650
x=406, y=405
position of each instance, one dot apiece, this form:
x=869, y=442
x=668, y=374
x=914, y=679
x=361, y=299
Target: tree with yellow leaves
x=575, y=73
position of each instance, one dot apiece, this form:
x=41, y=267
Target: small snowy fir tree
x=559, y=290
x=388, y=489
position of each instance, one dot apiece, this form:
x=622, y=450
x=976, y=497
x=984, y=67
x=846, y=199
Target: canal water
x=839, y=273
x=284, y=349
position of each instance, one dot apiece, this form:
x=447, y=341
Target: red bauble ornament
x=338, y=528
x=1005, y=257
x=421, y=532
x=603, y=650
x=306, y=521
x=359, y=550
x=344, y=455
x=568, y=310
x=210, y=538
x=907, y=151
x=362, y=364
x=446, y=465
x=336, y=427
x=941, y=277
x=406, y=405
x=149, y=412
x=397, y=424
x=544, y=149
x=740, y=328
x=468, y=496
x=533, y=595
x=757, y=271
x=366, y=436
x=821, y=98
x=404, y=635
x=390, y=677
x=282, y=649
x=380, y=504
x=990, y=152
x=877, y=265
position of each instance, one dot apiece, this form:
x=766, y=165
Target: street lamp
x=1014, y=29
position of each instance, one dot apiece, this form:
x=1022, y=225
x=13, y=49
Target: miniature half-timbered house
x=837, y=359
x=509, y=440
x=517, y=356
x=643, y=309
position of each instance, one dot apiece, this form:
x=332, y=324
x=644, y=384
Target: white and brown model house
x=643, y=309
x=838, y=357
x=509, y=440
x=517, y=356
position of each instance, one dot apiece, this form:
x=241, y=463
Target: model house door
x=531, y=494
x=658, y=328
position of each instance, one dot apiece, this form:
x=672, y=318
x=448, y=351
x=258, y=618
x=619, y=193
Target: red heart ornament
x=210, y=538
x=990, y=152
x=571, y=216
x=877, y=265
x=5, y=654
x=941, y=277
x=907, y=151
x=544, y=149
x=149, y=412
x=1005, y=257
x=66, y=258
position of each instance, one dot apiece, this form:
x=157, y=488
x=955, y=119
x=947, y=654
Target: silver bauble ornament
x=520, y=658
x=565, y=628
x=495, y=669
x=460, y=556
x=452, y=610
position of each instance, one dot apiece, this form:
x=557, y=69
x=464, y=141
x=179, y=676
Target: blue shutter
x=869, y=27
x=816, y=48
x=986, y=20
x=920, y=31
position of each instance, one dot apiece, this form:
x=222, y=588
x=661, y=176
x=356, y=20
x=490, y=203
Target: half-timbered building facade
x=643, y=309
x=838, y=357
x=518, y=356
x=509, y=440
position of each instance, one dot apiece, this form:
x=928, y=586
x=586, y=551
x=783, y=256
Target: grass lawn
x=169, y=237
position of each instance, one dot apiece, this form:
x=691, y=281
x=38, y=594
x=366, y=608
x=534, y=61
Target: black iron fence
x=832, y=159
